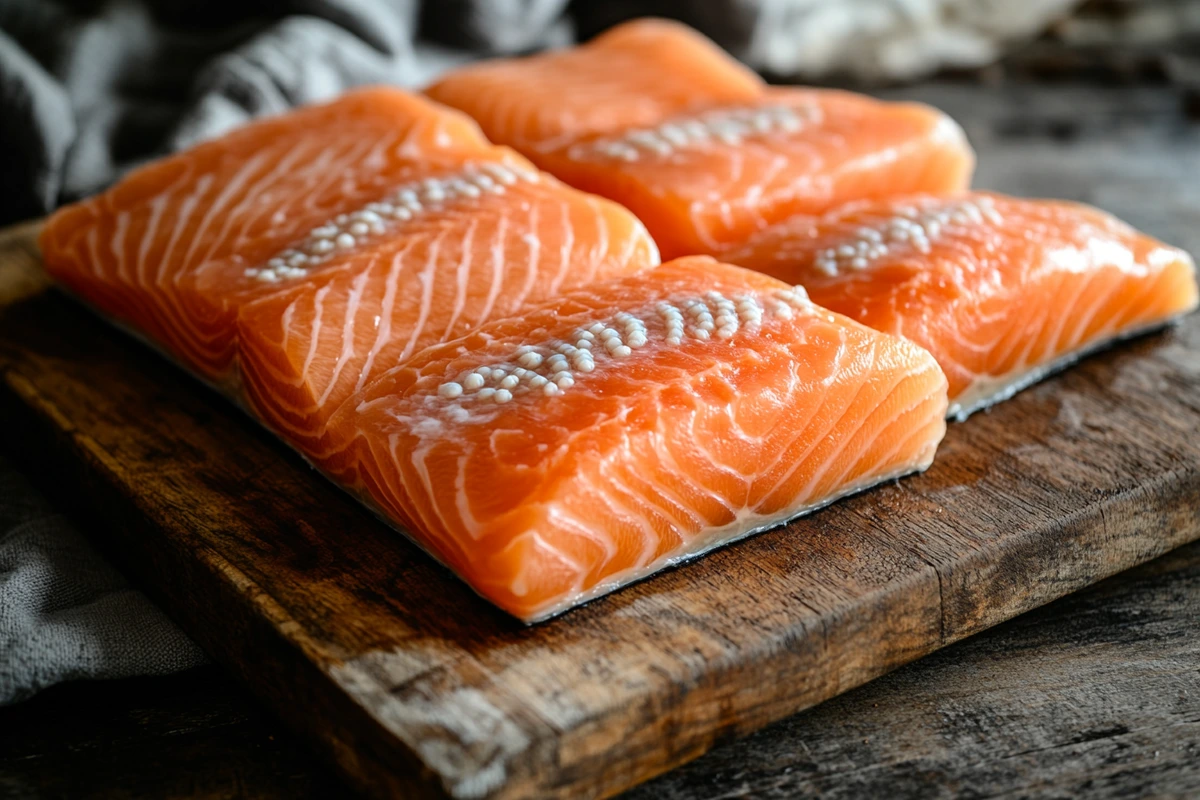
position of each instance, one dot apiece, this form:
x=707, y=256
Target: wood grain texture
x=414, y=686
x=1094, y=695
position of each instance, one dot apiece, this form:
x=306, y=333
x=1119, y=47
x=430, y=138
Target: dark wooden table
x=1096, y=694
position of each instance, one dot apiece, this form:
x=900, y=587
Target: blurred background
x=90, y=88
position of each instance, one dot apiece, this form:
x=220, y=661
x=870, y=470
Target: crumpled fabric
x=91, y=89
x=65, y=613
x=869, y=41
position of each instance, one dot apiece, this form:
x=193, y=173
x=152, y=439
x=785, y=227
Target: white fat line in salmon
x=729, y=126
x=346, y=231
x=911, y=226
x=552, y=367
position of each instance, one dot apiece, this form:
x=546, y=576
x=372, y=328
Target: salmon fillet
x=1001, y=290
x=631, y=424
x=660, y=119
x=637, y=73
x=168, y=248
x=703, y=180
x=301, y=254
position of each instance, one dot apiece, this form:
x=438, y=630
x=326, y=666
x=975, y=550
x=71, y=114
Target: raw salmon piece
x=638, y=73
x=328, y=243
x=1002, y=291
x=630, y=424
x=497, y=238
x=703, y=180
x=168, y=249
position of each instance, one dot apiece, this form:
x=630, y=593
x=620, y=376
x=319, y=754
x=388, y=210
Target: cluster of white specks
x=672, y=319
x=713, y=315
x=729, y=126
x=784, y=301
x=633, y=329
x=548, y=370
x=348, y=230
x=912, y=226
x=553, y=368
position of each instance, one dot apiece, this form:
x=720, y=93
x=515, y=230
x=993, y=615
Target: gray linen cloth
x=65, y=613
x=91, y=88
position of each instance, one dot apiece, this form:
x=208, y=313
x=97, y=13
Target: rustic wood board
x=1096, y=695
x=413, y=686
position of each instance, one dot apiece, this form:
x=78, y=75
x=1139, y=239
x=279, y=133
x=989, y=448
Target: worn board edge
x=267, y=653
x=251, y=645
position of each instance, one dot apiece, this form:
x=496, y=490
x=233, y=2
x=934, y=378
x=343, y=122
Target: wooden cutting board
x=415, y=687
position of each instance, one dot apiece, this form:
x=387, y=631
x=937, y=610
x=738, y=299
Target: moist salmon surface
x=702, y=181
x=659, y=119
x=637, y=73
x=292, y=259
x=1000, y=290
x=167, y=250
x=627, y=425
x=507, y=237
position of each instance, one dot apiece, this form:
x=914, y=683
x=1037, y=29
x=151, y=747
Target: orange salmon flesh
x=600, y=437
x=299, y=256
x=658, y=118
x=999, y=289
x=638, y=73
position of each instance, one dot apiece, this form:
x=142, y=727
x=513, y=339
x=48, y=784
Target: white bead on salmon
x=730, y=126
x=914, y=227
x=351, y=229
x=555, y=366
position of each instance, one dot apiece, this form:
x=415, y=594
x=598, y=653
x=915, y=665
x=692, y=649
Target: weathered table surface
x=1100, y=691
